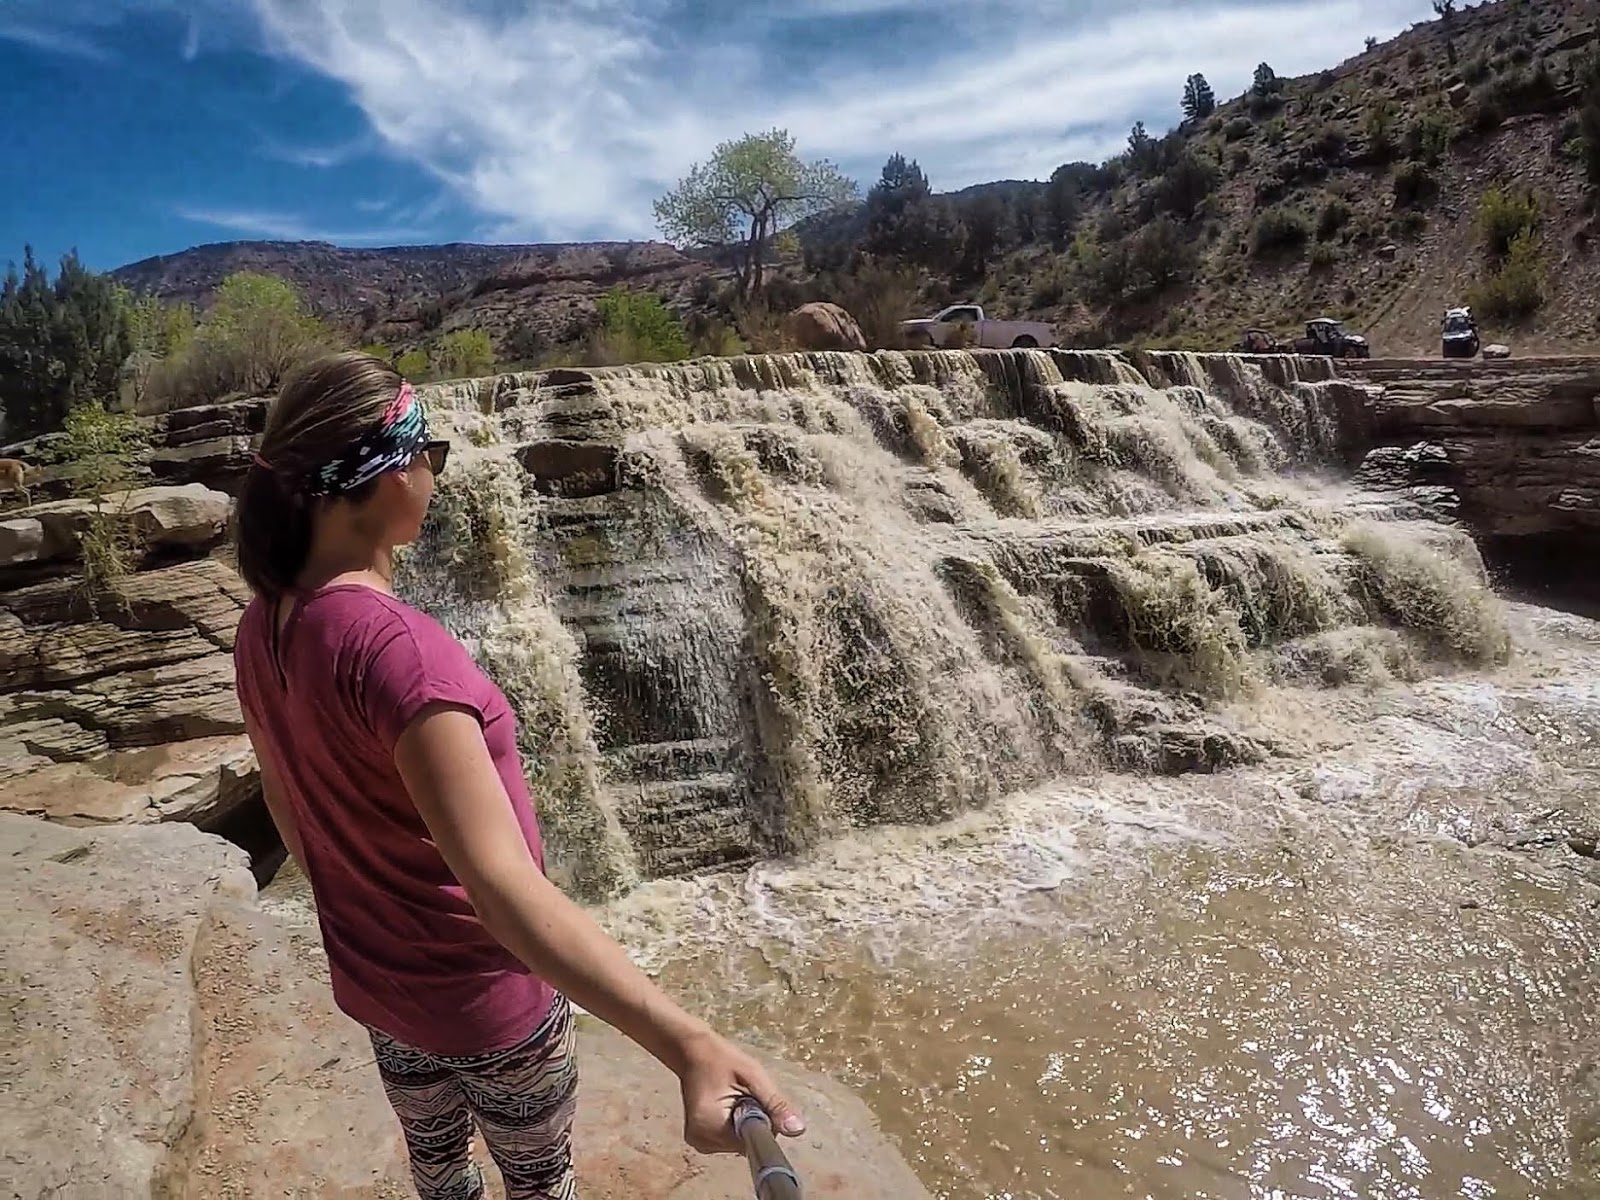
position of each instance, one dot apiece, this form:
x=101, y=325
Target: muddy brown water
x=1367, y=968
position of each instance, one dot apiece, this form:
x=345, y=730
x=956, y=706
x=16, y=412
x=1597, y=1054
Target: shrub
x=1328, y=143
x=257, y=331
x=1414, y=186
x=1335, y=215
x=461, y=354
x=1279, y=229
x=1515, y=290
x=98, y=448
x=413, y=364
x=1323, y=256
x=638, y=327
x=1409, y=226
x=1186, y=184
x=1503, y=216
x=1417, y=58
x=1429, y=136
x=1415, y=587
x=1476, y=70
x=1238, y=128
x=1379, y=124
x=1486, y=115
x=1239, y=160
x=879, y=296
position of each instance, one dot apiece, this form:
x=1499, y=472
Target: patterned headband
x=399, y=437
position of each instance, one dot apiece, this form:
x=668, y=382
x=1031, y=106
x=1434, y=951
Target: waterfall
x=742, y=605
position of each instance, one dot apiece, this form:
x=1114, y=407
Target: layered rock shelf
x=1510, y=449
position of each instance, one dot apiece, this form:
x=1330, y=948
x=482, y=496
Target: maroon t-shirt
x=406, y=952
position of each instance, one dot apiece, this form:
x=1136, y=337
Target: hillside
x=399, y=295
x=1354, y=193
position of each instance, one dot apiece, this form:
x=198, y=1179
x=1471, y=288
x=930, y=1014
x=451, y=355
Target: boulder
x=190, y=515
x=823, y=326
x=21, y=541
x=1497, y=351
x=170, y=1038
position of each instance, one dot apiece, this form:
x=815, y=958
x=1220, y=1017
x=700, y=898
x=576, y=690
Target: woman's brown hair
x=324, y=408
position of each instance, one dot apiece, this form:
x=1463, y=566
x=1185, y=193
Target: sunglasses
x=438, y=453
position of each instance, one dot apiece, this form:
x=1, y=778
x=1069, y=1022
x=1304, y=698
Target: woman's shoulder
x=354, y=613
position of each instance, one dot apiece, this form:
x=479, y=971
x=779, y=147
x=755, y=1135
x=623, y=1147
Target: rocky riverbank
x=742, y=607
x=168, y=1038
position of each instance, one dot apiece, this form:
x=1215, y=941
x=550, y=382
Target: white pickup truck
x=975, y=330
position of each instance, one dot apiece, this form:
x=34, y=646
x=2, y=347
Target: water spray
x=774, y=1178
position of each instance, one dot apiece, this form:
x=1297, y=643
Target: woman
x=389, y=764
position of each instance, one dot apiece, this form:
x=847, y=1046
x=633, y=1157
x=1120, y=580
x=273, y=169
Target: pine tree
x=904, y=219
x=1266, y=82
x=1199, y=101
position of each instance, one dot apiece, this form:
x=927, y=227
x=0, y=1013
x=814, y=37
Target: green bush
x=1504, y=216
x=1335, y=215
x=1380, y=123
x=413, y=364
x=1515, y=290
x=638, y=327
x=461, y=354
x=1239, y=160
x=1238, y=128
x=1414, y=186
x=256, y=332
x=1429, y=136
x=1323, y=256
x=98, y=450
x=1279, y=229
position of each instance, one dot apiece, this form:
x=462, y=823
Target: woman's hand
x=715, y=1076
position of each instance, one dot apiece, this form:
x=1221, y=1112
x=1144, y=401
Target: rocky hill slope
x=398, y=295
x=1354, y=193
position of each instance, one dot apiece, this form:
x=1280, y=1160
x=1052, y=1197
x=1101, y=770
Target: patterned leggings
x=523, y=1098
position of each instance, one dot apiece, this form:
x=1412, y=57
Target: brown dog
x=14, y=478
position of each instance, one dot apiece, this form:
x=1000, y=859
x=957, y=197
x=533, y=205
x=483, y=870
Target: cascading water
x=944, y=653
x=748, y=604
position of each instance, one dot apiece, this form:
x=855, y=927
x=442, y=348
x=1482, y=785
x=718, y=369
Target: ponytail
x=326, y=406
x=271, y=532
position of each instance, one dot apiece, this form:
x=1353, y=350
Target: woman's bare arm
x=452, y=780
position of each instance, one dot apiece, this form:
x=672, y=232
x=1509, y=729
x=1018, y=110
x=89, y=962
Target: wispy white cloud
x=289, y=227
x=191, y=39
x=566, y=120
x=55, y=41
x=318, y=156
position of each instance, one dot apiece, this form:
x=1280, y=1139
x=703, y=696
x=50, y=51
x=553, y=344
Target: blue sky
x=139, y=127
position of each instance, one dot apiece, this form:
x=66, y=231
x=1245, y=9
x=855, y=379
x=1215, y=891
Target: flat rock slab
x=170, y=1038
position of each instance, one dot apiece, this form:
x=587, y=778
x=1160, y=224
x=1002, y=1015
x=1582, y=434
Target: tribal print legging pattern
x=523, y=1099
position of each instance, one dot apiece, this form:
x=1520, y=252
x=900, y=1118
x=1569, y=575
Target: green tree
x=903, y=219
x=461, y=354
x=1143, y=155
x=1187, y=183
x=256, y=332
x=1199, y=101
x=1266, y=82
x=61, y=344
x=749, y=191
x=638, y=327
